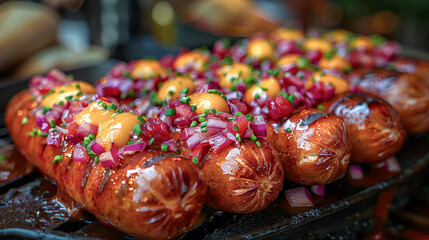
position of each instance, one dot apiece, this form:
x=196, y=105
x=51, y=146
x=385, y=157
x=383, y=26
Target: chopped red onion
x=53, y=138
x=83, y=130
x=188, y=132
x=132, y=148
x=219, y=142
x=61, y=130
x=196, y=139
x=259, y=126
x=106, y=159
x=80, y=154
x=319, y=190
x=97, y=148
x=172, y=145
x=299, y=197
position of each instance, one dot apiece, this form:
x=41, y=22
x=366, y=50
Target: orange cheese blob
x=362, y=42
x=288, y=59
x=148, y=68
x=228, y=73
x=282, y=34
x=61, y=92
x=117, y=130
x=319, y=44
x=269, y=86
x=171, y=89
x=260, y=49
x=205, y=101
x=95, y=114
x=336, y=62
x=341, y=85
x=338, y=35
x=196, y=59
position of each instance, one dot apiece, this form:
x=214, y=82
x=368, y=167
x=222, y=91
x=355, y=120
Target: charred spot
x=153, y=160
x=86, y=175
x=104, y=180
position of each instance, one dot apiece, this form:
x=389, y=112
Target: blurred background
x=36, y=36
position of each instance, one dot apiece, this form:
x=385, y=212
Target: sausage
x=313, y=147
x=374, y=127
x=406, y=92
x=413, y=65
x=149, y=194
x=242, y=179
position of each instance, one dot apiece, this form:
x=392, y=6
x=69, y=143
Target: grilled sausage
x=413, y=65
x=406, y=92
x=148, y=195
x=313, y=147
x=243, y=179
x=374, y=127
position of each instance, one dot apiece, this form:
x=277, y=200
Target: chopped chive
x=131, y=93
x=96, y=159
x=87, y=140
x=132, y=104
x=164, y=147
x=203, y=129
x=63, y=125
x=230, y=119
x=194, y=123
x=235, y=128
x=194, y=160
x=288, y=130
x=171, y=93
x=238, y=137
x=206, y=111
x=61, y=103
x=213, y=110
x=120, y=111
x=201, y=119
x=45, y=109
x=204, y=124
x=320, y=107
x=215, y=91
x=52, y=122
x=79, y=94
x=52, y=130
x=141, y=119
x=170, y=112
x=263, y=88
x=137, y=130
x=104, y=105
x=57, y=158
x=253, y=137
x=151, y=141
x=130, y=142
x=123, y=95
x=38, y=132
x=249, y=117
x=43, y=134
x=91, y=154
x=77, y=86
x=238, y=113
x=69, y=98
x=113, y=106
x=184, y=100
x=91, y=136
x=177, y=151
x=257, y=96
x=258, y=143
x=24, y=120
x=193, y=108
x=2, y=157
x=32, y=134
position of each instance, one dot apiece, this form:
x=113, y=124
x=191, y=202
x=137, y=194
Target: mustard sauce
x=208, y=101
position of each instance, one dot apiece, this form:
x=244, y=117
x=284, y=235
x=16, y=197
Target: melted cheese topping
x=228, y=73
x=260, y=49
x=146, y=68
x=287, y=34
x=116, y=130
x=362, y=42
x=95, y=114
x=196, y=59
x=205, y=101
x=288, y=59
x=61, y=92
x=336, y=62
x=319, y=44
x=270, y=86
x=341, y=85
x=171, y=89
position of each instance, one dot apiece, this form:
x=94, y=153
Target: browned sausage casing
x=406, y=92
x=374, y=127
x=313, y=147
x=148, y=195
x=413, y=65
x=242, y=179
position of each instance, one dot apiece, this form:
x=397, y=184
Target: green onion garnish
x=137, y=130
x=24, y=120
x=288, y=130
x=185, y=90
x=141, y=119
x=249, y=117
x=151, y=141
x=235, y=128
x=57, y=158
x=96, y=159
x=238, y=113
x=104, y=105
x=238, y=137
x=204, y=129
x=193, y=108
x=45, y=109
x=2, y=157
x=91, y=136
x=194, y=160
x=201, y=119
x=258, y=143
x=253, y=137
x=170, y=112
x=164, y=147
x=194, y=123
x=52, y=122
x=230, y=119
x=113, y=106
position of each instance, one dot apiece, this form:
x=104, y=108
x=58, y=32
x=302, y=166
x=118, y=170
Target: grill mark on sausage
x=86, y=175
x=122, y=189
x=151, y=161
x=311, y=118
x=104, y=180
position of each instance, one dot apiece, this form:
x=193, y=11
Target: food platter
x=346, y=210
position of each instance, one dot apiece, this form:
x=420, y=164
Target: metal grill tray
x=346, y=212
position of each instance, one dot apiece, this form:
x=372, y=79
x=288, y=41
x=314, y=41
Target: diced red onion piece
x=83, y=130
x=219, y=142
x=259, y=126
x=319, y=190
x=106, y=159
x=355, y=172
x=132, y=148
x=61, y=130
x=172, y=145
x=196, y=139
x=97, y=148
x=53, y=138
x=299, y=197
x=80, y=154
x=188, y=132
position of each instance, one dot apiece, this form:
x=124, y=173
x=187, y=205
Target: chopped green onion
x=201, y=119
x=164, y=147
x=96, y=159
x=52, y=122
x=171, y=93
x=151, y=141
x=45, y=109
x=194, y=123
x=132, y=104
x=193, y=108
x=137, y=130
x=141, y=119
x=206, y=111
x=213, y=110
x=57, y=158
x=170, y=112
x=177, y=151
x=91, y=136
x=238, y=137
x=204, y=124
x=253, y=137
x=215, y=91
x=235, y=128
x=24, y=120
x=204, y=129
x=238, y=113
x=61, y=103
x=258, y=143
x=321, y=107
x=194, y=160
x=249, y=117
x=104, y=105
x=43, y=134
x=288, y=130
x=79, y=94
x=120, y=111
x=185, y=90
x=230, y=119
x=86, y=140
x=32, y=134
x=52, y=130
x=113, y=106
x=63, y=125
x=91, y=154
x=184, y=100
x=123, y=95
x=2, y=157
